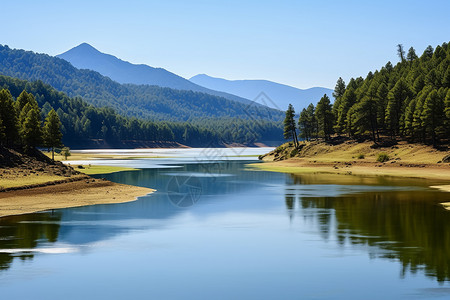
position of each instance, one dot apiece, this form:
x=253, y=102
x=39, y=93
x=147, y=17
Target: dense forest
x=140, y=101
x=82, y=122
x=409, y=101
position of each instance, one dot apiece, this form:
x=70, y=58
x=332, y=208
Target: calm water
x=217, y=230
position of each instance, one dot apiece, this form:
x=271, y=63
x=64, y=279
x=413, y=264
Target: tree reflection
x=408, y=226
x=26, y=232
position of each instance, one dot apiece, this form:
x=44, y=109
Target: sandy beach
x=65, y=195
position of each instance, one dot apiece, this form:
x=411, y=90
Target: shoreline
x=68, y=195
x=303, y=166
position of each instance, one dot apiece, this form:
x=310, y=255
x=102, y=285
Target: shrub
x=361, y=156
x=294, y=153
x=382, y=157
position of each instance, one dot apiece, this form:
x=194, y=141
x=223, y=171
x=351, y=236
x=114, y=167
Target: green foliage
x=52, y=131
x=307, y=123
x=324, y=117
x=409, y=101
x=290, y=130
x=8, y=117
x=293, y=153
x=81, y=121
x=30, y=131
x=65, y=152
x=382, y=157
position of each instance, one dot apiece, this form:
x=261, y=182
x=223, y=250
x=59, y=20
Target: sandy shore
x=72, y=194
x=300, y=165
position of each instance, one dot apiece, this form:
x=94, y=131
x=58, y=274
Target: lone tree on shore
x=52, y=132
x=290, y=130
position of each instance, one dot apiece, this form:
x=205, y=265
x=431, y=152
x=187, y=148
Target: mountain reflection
x=408, y=226
x=26, y=232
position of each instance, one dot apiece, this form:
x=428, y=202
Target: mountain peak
x=85, y=47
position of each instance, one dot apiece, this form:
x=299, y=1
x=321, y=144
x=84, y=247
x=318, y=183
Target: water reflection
x=19, y=235
x=390, y=219
x=406, y=226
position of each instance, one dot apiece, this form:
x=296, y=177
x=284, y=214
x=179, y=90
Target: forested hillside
x=146, y=102
x=410, y=101
x=82, y=122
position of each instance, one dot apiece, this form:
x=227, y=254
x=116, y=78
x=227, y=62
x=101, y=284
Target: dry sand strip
x=65, y=195
x=445, y=188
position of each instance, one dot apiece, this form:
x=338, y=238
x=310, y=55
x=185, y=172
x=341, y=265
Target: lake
x=216, y=229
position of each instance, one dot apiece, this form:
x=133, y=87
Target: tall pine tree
x=52, y=132
x=290, y=130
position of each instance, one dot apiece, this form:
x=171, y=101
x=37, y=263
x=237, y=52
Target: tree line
x=409, y=101
x=82, y=122
x=21, y=124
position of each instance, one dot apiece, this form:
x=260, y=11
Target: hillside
x=279, y=95
x=141, y=101
x=86, y=125
x=84, y=56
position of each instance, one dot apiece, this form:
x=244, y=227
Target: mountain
x=141, y=101
x=84, y=56
x=276, y=95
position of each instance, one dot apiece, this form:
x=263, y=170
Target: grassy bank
x=353, y=158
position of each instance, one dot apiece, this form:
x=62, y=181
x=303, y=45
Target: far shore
x=67, y=195
x=439, y=172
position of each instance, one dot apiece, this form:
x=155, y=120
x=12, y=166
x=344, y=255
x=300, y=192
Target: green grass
x=93, y=170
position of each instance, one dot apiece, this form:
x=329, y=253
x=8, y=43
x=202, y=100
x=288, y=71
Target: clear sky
x=299, y=43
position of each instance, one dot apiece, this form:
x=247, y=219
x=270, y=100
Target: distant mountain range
x=141, y=101
x=84, y=56
x=274, y=95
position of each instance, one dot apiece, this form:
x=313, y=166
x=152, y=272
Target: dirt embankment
x=32, y=182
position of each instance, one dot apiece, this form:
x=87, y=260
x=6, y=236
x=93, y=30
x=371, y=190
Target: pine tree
x=339, y=91
x=8, y=115
x=401, y=52
x=409, y=117
x=2, y=133
x=447, y=114
x=395, y=107
x=290, y=130
x=325, y=116
x=347, y=101
x=428, y=53
x=411, y=55
x=52, y=131
x=433, y=115
x=304, y=126
x=364, y=114
x=382, y=100
x=31, y=131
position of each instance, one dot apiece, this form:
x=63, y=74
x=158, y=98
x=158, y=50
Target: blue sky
x=299, y=43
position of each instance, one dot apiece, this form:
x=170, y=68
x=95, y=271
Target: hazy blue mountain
x=84, y=56
x=278, y=95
